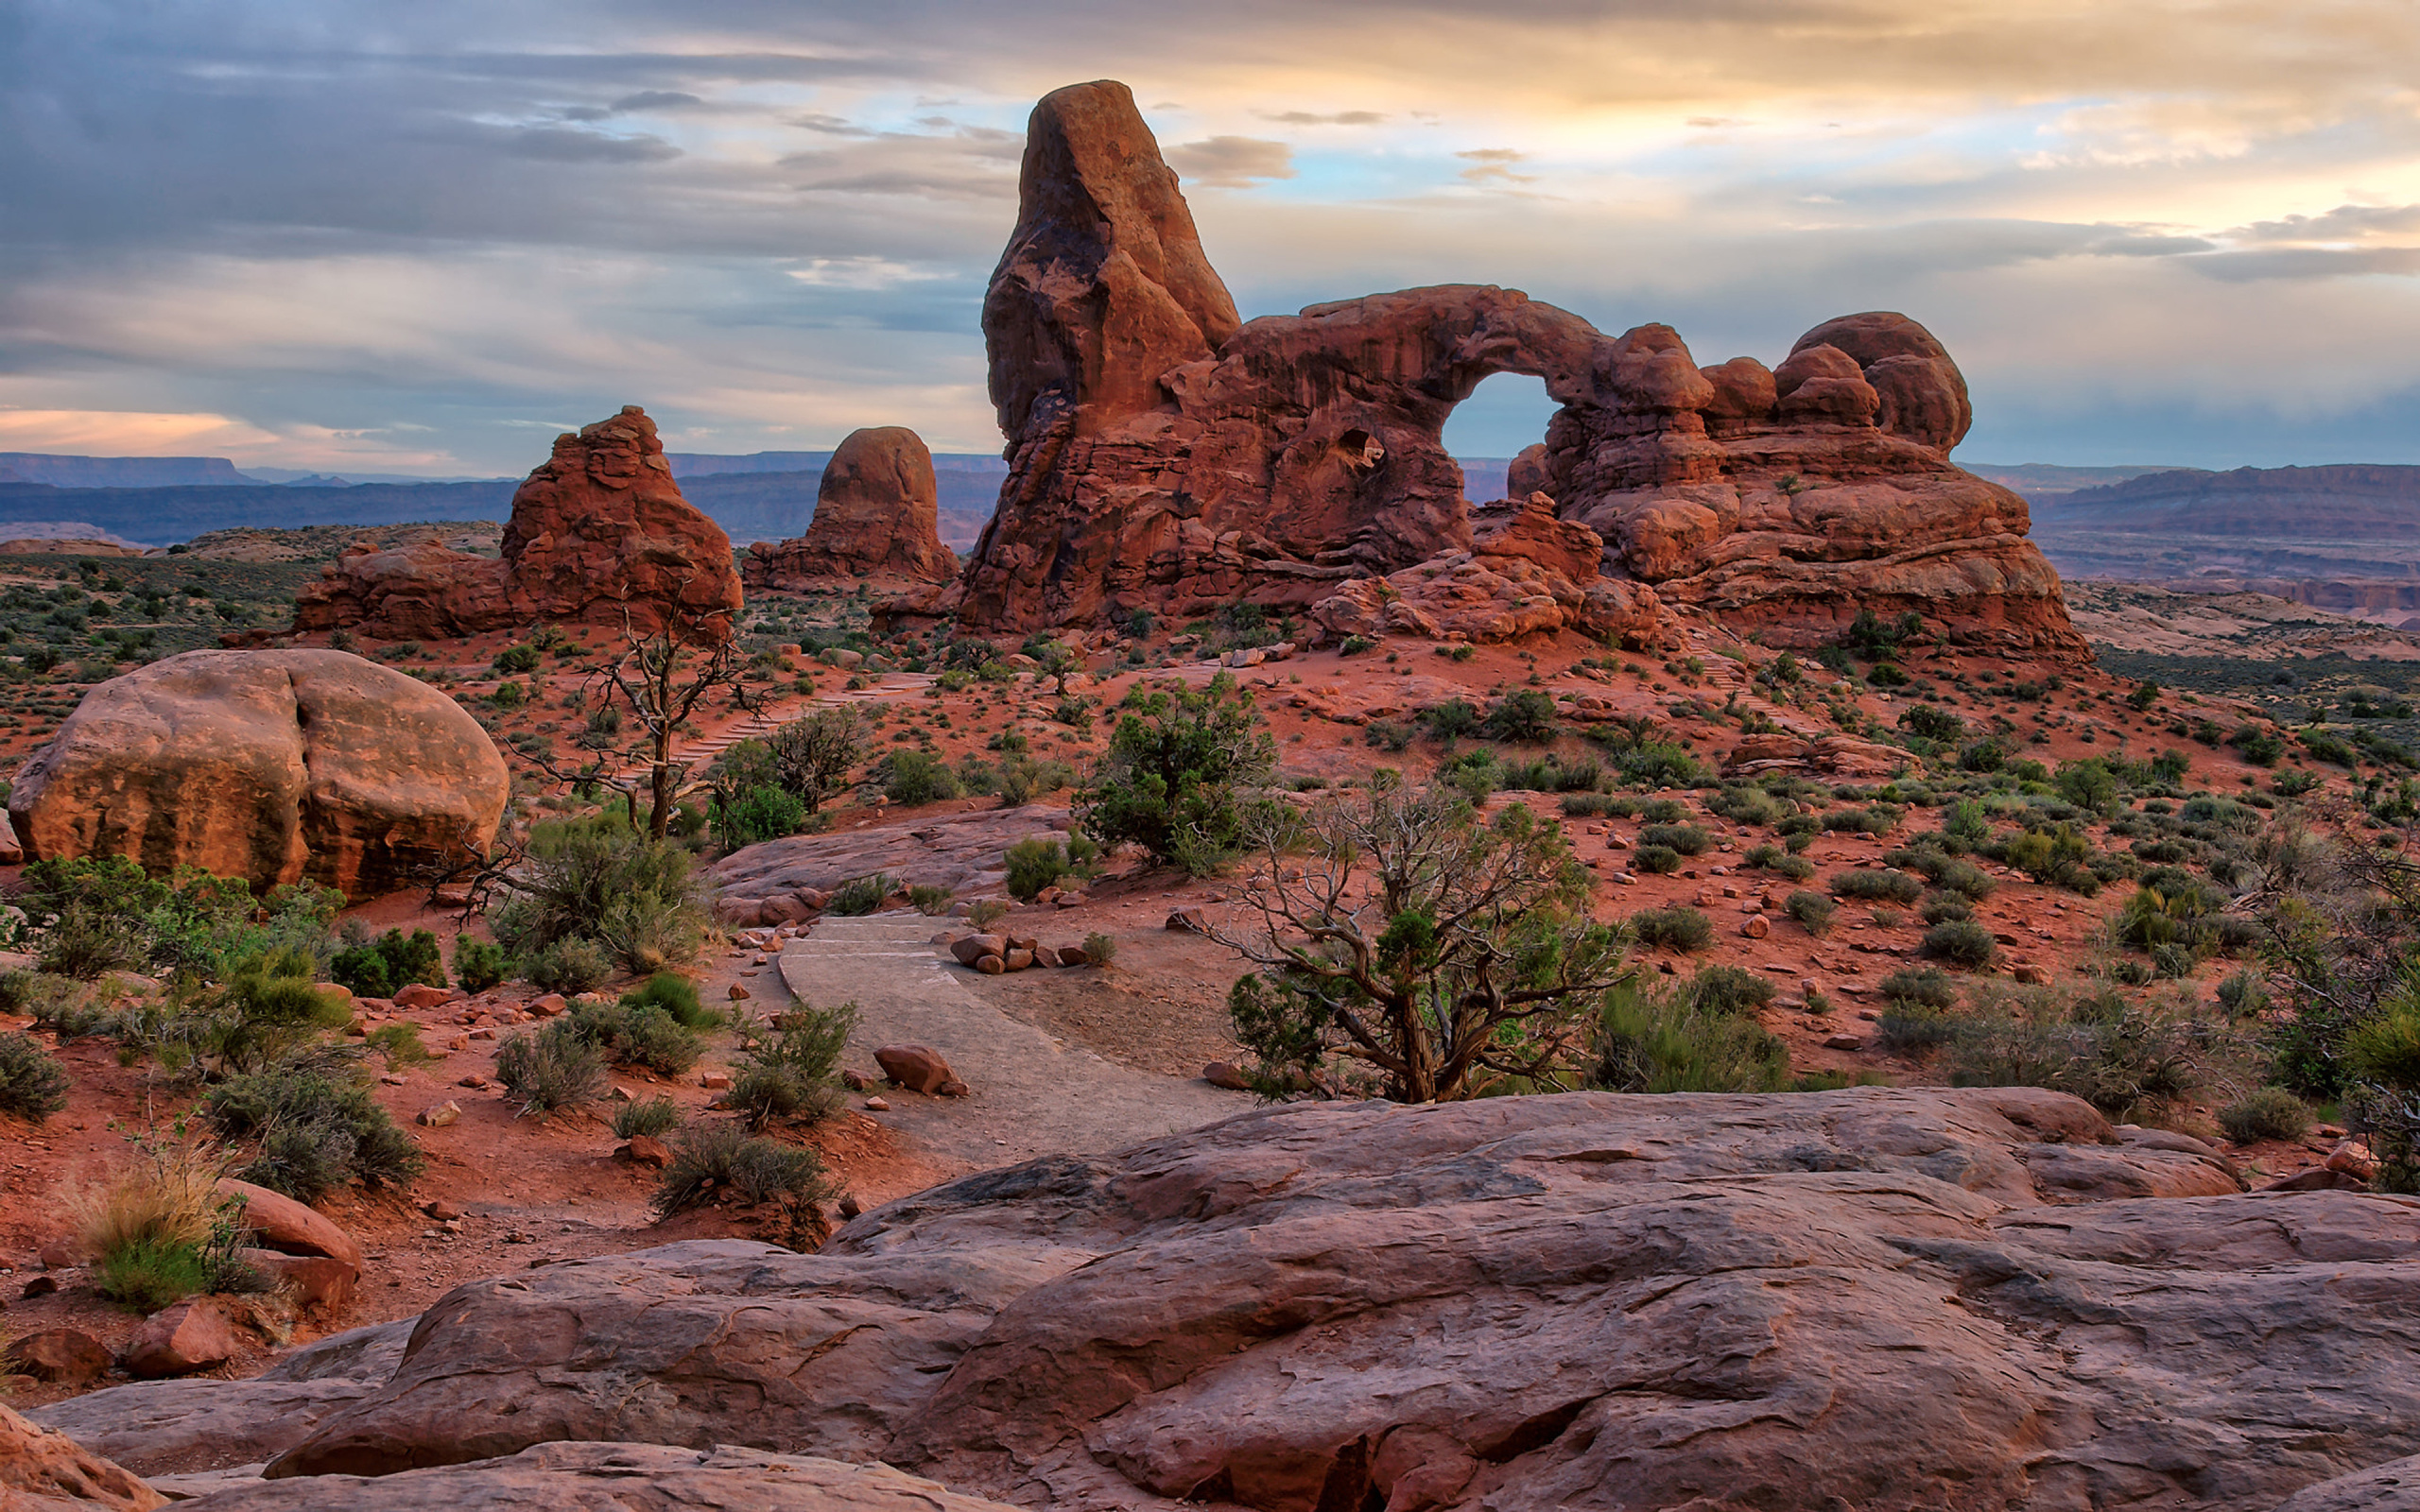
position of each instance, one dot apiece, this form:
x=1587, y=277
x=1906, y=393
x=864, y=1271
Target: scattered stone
x=738, y=993
x=918, y=1068
x=969, y=950
x=59, y=1356
x=550, y=1005
x=877, y=1104
x=991, y=965
x=716, y=1081
x=1190, y=921
x=282, y=1224
x=1755, y=927
x=39, y=1286
x=2029, y=975
x=1845, y=1041
x=1017, y=960
x=416, y=995
x=853, y=1079
x=1225, y=1074
x=850, y=1206
x=645, y=1149
x=953, y=1088
x=65, y=1253
x=180, y=1340
x=442, y=1115
x=314, y=1282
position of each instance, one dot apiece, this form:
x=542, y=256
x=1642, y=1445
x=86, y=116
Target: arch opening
x=1507, y=412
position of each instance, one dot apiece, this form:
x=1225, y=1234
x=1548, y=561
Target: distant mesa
x=1166, y=455
x=276, y=766
x=119, y=471
x=876, y=521
x=598, y=535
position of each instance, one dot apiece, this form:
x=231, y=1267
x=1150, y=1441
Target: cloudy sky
x=423, y=238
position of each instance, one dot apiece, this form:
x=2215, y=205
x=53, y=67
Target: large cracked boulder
x=275, y=767
x=877, y=522
x=44, y=1471
x=1876, y=1298
x=599, y=535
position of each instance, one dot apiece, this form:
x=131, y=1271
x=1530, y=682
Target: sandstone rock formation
x=1164, y=455
x=271, y=766
x=876, y=521
x=772, y=883
x=1877, y=1297
x=42, y=1470
x=615, y=1478
x=598, y=534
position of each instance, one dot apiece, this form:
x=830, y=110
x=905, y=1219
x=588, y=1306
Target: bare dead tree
x=1437, y=949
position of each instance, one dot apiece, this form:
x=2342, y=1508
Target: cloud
x=656, y=99
x=1495, y=163
x=1232, y=162
x=555, y=145
x=1340, y=118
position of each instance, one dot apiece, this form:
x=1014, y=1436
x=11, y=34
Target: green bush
x=316, y=1133
x=1655, y=765
x=1451, y=720
x=1812, y=910
x=1728, y=990
x=1925, y=986
x=2385, y=1047
x=1964, y=942
x=1587, y=805
x=1168, y=782
x=1945, y=907
x=757, y=814
x=32, y=1085
x=636, y=1034
x=569, y=967
x=1688, y=839
x=1524, y=715
x=1891, y=886
x=2244, y=994
x=1100, y=949
x=1662, y=1044
x=150, y=1274
x=657, y=1115
x=1680, y=927
x=861, y=896
x=1746, y=806
x=556, y=1068
x=675, y=995
x=724, y=1157
x=2122, y=1059
x=514, y=661
x=1034, y=864
x=382, y=968
x=930, y=900
x=2270, y=1113
x=2260, y=746
x=1915, y=1029
x=791, y=1067
x=1656, y=860
x=910, y=778
x=600, y=881
x=480, y=964
x=398, y=1045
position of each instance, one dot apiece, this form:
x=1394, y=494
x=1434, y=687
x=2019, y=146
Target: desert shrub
x=1023, y=779
x=1388, y=734
x=1650, y=1043
x=1931, y=722
x=860, y=896
x=269, y=1009
x=725, y=1158
x=398, y=1045
x=515, y=660
x=1965, y=879
x=813, y=756
x=929, y=900
x=1656, y=763
x=1451, y=719
x=314, y=1133
x=757, y=814
x=32, y=1085
x=2260, y=746
x=677, y=996
x=2244, y=994
x=1100, y=949
x=985, y=912
x=87, y=943
x=2269, y=1113
x=1945, y=907
x=157, y=1226
x=1728, y=990
x=1034, y=864
x=1170, y=780
x=1925, y=986
x=381, y=967
x=657, y=1115
x=1587, y=805
x=2123, y=1059
x=601, y=880
x=1657, y=860
x=2385, y=1048
x=1746, y=806
x=1888, y=887
x=93, y=915
x=1688, y=839
x=791, y=1065
x=1963, y=942
x=480, y=964
x=556, y=1068
x=1680, y=927
x=1812, y=910
x=636, y=1034
x=1524, y=715
x=569, y=967
x=1663, y=811
x=1914, y=1028
x=910, y=778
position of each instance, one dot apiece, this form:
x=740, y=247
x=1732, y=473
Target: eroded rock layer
x=271, y=765
x=1879, y=1298
x=1164, y=456
x=599, y=535
x=877, y=522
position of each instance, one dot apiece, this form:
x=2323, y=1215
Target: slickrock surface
x=1877, y=1297
x=876, y=520
x=598, y=533
x=762, y=884
x=269, y=765
x=45, y=1471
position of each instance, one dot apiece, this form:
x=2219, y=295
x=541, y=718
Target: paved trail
x=1033, y=1096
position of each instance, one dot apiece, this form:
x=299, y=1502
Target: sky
x=425, y=238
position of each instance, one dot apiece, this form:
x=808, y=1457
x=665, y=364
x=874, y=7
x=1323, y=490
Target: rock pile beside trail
x=1875, y=1297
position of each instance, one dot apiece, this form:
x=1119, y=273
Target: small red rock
x=918, y=1068
x=1225, y=1074
x=643, y=1149
x=738, y=993
x=441, y=1115
x=61, y=1355
x=190, y=1337
x=716, y=1081
x=421, y=995
x=39, y=1286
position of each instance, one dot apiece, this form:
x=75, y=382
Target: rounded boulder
x=276, y=766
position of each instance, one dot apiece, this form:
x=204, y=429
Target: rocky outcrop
x=45, y=1471
x=777, y=882
x=876, y=521
x=615, y=1478
x=1527, y=570
x=1877, y=1297
x=598, y=535
x=271, y=766
x=1163, y=455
